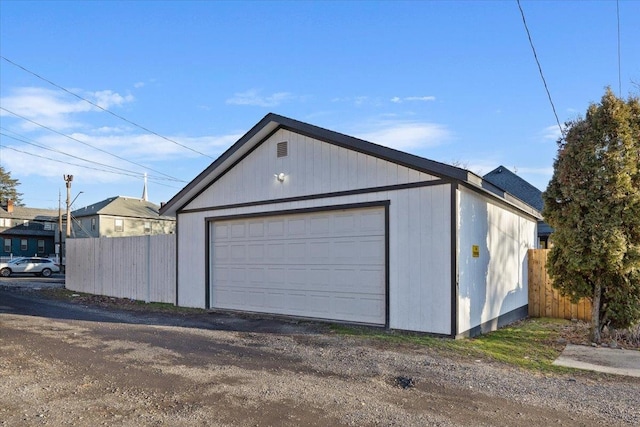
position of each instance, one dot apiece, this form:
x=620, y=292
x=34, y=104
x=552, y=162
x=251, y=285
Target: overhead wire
x=88, y=145
x=103, y=109
x=79, y=165
x=535, y=55
x=31, y=142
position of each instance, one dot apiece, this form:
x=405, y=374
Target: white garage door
x=328, y=265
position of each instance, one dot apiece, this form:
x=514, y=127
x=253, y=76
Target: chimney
x=10, y=206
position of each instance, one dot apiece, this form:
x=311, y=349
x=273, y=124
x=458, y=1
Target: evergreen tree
x=8, y=188
x=593, y=203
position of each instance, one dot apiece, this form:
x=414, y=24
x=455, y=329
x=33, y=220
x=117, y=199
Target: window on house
x=147, y=226
x=40, y=246
x=119, y=225
x=25, y=222
x=24, y=244
x=93, y=224
x=7, y=245
x=48, y=226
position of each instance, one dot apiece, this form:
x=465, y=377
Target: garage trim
x=418, y=184
x=384, y=203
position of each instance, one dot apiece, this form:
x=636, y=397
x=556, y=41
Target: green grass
x=530, y=344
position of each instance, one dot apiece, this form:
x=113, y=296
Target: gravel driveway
x=87, y=366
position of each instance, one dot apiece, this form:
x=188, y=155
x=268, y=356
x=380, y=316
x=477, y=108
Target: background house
x=298, y=220
x=503, y=178
x=27, y=231
x=120, y=216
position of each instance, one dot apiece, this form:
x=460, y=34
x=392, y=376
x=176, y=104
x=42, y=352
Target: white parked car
x=33, y=265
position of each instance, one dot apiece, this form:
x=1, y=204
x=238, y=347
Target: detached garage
x=298, y=220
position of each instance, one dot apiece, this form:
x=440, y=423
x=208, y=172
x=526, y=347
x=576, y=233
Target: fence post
x=148, y=299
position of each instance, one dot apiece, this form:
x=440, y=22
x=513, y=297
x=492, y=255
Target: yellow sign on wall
x=475, y=251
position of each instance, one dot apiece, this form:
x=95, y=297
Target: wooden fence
x=140, y=268
x=544, y=300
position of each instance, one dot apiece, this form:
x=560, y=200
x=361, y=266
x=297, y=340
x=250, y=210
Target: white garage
x=322, y=264
x=301, y=221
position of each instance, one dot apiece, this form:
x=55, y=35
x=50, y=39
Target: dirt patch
x=71, y=370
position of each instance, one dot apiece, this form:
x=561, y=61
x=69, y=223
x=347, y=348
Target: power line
x=619, y=59
x=87, y=144
x=553, y=107
x=104, y=109
x=26, y=141
x=79, y=165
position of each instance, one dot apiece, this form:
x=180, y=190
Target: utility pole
x=68, y=179
x=59, y=251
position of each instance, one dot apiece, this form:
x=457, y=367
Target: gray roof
x=272, y=122
x=130, y=207
x=31, y=214
x=503, y=178
x=31, y=229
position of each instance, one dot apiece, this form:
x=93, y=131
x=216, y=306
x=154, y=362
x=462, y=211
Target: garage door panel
x=256, y=229
x=255, y=252
x=329, y=265
x=238, y=230
x=275, y=228
x=297, y=252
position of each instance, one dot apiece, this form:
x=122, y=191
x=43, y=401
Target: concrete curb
x=600, y=359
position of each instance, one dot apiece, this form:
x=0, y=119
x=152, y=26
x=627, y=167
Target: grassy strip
x=63, y=294
x=531, y=344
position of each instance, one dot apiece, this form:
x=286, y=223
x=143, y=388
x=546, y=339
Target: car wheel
x=46, y=272
x=5, y=272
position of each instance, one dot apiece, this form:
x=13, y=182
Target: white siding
x=494, y=283
x=311, y=167
x=191, y=259
x=419, y=248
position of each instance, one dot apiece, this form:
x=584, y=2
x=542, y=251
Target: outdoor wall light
x=280, y=176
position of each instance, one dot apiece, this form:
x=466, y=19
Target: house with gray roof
x=120, y=216
x=27, y=231
x=508, y=181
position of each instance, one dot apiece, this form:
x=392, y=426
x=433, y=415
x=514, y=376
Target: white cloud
x=138, y=85
x=54, y=108
x=108, y=98
x=420, y=98
x=546, y=171
x=253, y=97
x=359, y=101
x=551, y=133
x=398, y=100
x=148, y=151
x=406, y=135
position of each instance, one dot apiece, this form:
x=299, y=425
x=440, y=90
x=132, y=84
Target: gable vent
x=282, y=149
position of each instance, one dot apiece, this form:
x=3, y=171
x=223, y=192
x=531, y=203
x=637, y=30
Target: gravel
x=165, y=370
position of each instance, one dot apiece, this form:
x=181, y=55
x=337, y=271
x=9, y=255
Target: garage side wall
x=492, y=263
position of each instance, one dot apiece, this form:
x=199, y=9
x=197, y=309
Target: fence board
x=140, y=267
x=544, y=300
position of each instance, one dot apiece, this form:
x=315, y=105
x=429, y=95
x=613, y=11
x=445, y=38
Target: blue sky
x=452, y=81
